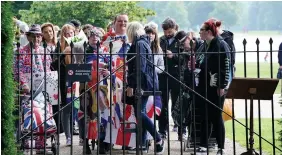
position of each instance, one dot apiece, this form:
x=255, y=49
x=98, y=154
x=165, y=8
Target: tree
x=199, y=12
x=7, y=90
x=226, y=12
x=20, y=5
x=92, y=12
x=177, y=11
x=269, y=15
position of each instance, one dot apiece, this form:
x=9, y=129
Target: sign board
x=78, y=72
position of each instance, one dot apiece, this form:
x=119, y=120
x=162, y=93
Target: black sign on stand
x=78, y=72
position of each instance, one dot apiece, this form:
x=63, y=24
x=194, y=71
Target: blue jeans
x=147, y=124
x=75, y=115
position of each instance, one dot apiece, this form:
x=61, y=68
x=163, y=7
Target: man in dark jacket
x=279, y=74
x=228, y=36
x=280, y=55
x=168, y=45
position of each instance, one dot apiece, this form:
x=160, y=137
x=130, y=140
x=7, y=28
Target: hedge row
x=7, y=91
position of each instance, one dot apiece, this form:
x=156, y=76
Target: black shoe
x=88, y=150
x=160, y=148
x=163, y=135
x=126, y=148
x=102, y=149
x=75, y=132
x=134, y=150
x=107, y=146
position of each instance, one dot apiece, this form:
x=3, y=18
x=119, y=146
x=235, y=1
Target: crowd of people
x=211, y=58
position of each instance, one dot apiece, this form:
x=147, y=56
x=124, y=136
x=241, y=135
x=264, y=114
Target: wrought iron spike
x=44, y=44
x=111, y=45
x=18, y=45
x=270, y=41
x=123, y=43
x=71, y=44
x=58, y=44
x=31, y=45
x=98, y=44
x=244, y=41
x=191, y=43
x=85, y=44
x=257, y=41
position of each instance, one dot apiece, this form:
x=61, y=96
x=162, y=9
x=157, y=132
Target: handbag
x=52, y=94
x=176, y=110
x=128, y=100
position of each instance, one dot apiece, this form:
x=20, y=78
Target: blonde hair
x=134, y=29
x=64, y=29
x=191, y=34
x=54, y=40
x=101, y=30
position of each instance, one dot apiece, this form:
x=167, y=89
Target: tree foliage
x=99, y=13
x=20, y=5
x=7, y=89
x=188, y=14
x=191, y=14
x=166, y=9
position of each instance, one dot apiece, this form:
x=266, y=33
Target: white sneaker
x=68, y=143
x=174, y=129
x=134, y=150
x=80, y=142
x=202, y=150
x=183, y=137
x=220, y=152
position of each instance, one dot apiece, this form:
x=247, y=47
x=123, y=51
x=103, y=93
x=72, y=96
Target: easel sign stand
x=252, y=89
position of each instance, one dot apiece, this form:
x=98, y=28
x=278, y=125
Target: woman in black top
x=214, y=63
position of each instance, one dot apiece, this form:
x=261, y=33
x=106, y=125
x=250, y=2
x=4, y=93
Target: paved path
x=174, y=147
x=266, y=108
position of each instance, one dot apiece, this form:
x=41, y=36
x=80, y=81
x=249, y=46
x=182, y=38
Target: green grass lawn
x=266, y=132
x=264, y=71
x=266, y=123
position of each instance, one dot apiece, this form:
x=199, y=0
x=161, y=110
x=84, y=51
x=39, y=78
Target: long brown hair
x=155, y=45
x=54, y=40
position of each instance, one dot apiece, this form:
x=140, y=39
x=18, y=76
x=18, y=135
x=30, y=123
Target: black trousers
x=173, y=89
x=211, y=115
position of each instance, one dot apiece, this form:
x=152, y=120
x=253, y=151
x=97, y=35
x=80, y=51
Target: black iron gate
x=191, y=142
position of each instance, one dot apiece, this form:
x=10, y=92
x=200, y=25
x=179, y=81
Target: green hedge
x=8, y=85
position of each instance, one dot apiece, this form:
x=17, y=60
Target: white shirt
x=159, y=62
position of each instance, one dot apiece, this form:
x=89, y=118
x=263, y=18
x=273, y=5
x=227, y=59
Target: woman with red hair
x=213, y=61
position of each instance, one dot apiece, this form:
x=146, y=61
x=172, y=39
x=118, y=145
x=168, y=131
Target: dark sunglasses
x=202, y=29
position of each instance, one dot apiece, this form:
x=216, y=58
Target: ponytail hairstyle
x=213, y=25
x=215, y=21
